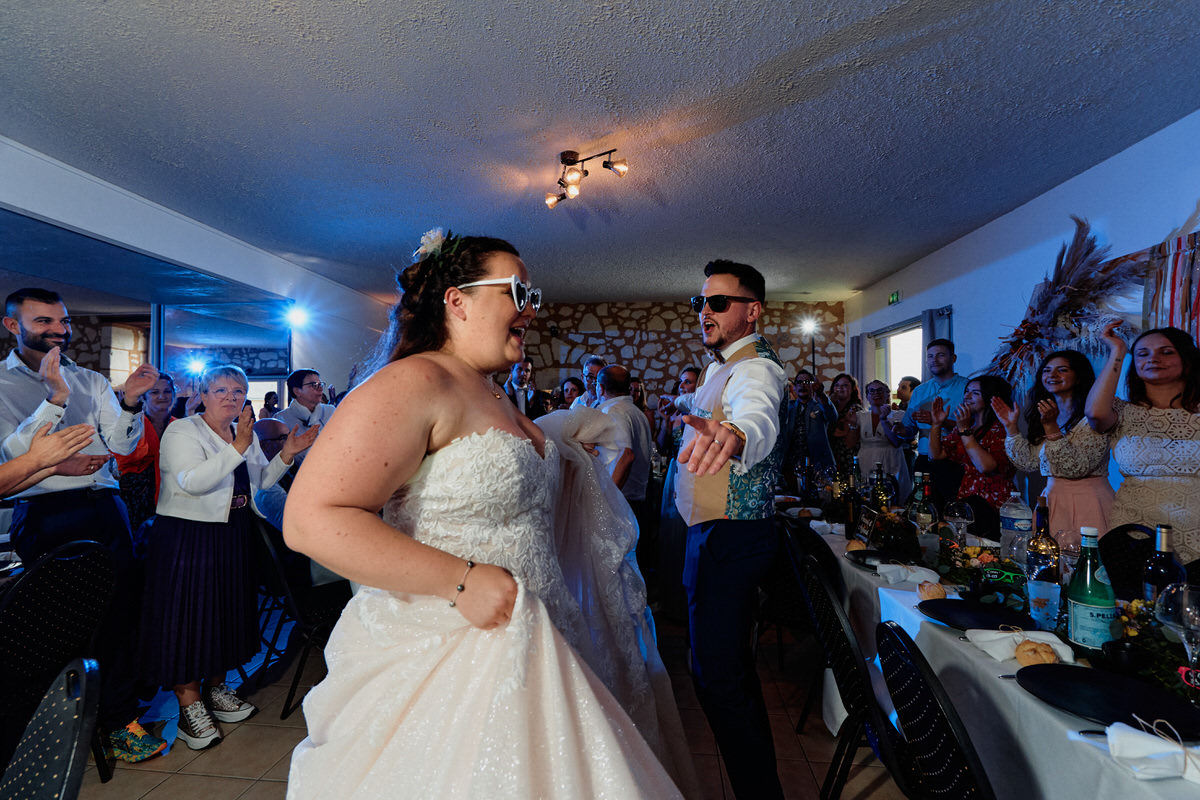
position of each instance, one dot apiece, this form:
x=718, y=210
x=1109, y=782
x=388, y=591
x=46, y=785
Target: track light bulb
x=572, y=190
x=619, y=166
x=573, y=175
x=553, y=199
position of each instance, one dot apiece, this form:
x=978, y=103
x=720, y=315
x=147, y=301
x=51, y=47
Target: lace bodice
x=1081, y=453
x=1158, y=452
x=489, y=497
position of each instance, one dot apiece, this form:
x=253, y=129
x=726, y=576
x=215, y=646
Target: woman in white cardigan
x=198, y=618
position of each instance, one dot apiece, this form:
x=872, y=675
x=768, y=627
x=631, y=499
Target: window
x=899, y=352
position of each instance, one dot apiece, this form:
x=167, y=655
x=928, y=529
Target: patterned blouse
x=994, y=486
x=1081, y=453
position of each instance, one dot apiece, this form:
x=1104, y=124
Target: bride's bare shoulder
x=416, y=376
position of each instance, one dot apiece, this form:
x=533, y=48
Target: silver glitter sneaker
x=196, y=727
x=227, y=706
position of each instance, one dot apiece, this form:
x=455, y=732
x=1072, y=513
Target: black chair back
x=1124, y=551
x=849, y=666
x=52, y=754
x=937, y=741
x=47, y=618
x=313, y=609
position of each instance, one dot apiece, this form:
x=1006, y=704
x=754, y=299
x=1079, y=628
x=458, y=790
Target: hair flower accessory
x=431, y=244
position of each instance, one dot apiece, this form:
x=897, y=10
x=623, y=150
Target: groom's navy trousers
x=726, y=560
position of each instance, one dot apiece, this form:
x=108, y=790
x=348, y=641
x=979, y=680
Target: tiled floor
x=252, y=762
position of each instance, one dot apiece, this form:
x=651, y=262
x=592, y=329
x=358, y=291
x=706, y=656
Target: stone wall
x=256, y=361
x=114, y=349
x=657, y=340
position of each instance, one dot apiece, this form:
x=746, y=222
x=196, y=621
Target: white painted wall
x=345, y=322
x=1138, y=198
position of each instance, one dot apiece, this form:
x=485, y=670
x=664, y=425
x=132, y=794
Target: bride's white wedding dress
x=418, y=703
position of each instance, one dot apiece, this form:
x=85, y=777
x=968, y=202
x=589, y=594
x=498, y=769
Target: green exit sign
x=893, y=298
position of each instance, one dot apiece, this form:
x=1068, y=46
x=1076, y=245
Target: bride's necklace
x=491, y=386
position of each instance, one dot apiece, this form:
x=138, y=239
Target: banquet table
x=1025, y=744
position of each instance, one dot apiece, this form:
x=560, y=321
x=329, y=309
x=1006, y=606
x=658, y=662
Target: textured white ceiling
x=828, y=143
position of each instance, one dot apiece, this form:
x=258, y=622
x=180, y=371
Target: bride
x=451, y=678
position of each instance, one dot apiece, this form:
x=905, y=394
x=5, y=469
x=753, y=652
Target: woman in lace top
x=1156, y=433
x=1072, y=456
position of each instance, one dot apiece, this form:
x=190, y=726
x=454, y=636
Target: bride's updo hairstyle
x=418, y=320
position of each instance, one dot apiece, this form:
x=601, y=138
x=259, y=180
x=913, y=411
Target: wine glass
x=959, y=516
x=1178, y=608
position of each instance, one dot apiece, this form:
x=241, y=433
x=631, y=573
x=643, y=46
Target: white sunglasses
x=522, y=293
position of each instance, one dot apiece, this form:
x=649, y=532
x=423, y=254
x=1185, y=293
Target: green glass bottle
x=1091, y=604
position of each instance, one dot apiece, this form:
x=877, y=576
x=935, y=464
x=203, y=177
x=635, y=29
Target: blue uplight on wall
x=297, y=317
x=196, y=366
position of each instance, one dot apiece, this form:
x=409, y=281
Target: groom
x=732, y=450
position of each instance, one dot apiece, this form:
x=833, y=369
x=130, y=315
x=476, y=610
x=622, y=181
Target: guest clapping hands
x=976, y=441
x=1072, y=456
x=46, y=450
x=1155, y=433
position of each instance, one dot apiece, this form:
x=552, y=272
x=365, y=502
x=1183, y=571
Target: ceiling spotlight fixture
x=619, y=166
x=573, y=173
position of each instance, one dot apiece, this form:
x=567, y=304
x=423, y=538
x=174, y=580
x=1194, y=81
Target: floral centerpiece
x=896, y=537
x=980, y=571
x=1147, y=652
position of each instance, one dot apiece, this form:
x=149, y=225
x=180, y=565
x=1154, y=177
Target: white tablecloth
x=1022, y=741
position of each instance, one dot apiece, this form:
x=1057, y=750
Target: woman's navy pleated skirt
x=199, y=613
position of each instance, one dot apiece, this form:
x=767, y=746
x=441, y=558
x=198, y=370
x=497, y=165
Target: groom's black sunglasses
x=718, y=302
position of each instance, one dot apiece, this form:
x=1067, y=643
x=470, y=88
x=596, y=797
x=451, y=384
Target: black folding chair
x=937, y=741
x=48, y=617
x=865, y=724
x=290, y=594
x=800, y=540
x=52, y=754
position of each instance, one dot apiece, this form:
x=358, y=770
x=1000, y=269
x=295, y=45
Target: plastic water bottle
x=1016, y=520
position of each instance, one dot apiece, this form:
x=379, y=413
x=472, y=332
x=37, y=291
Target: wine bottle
x=1041, y=563
x=1162, y=567
x=1091, y=604
x=808, y=488
x=881, y=496
x=924, y=513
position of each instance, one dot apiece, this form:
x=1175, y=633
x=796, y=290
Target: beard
x=45, y=342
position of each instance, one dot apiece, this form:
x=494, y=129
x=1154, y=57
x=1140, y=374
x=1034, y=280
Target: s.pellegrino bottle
x=1162, y=567
x=1091, y=604
x=1041, y=563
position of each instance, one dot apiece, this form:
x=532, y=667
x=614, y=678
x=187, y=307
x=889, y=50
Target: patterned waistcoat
x=728, y=494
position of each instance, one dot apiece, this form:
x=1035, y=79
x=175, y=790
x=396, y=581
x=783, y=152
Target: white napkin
x=820, y=526
x=898, y=573
x=1149, y=757
x=1002, y=645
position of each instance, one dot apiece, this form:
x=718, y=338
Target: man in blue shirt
x=945, y=383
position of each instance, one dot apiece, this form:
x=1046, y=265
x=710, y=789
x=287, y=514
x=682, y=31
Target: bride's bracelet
x=462, y=584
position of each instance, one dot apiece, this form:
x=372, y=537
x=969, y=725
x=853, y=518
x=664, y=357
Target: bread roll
x=804, y=513
x=855, y=544
x=928, y=590
x=1031, y=652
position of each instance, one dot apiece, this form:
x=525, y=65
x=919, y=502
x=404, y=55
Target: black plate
x=967, y=614
x=859, y=558
x=1106, y=697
